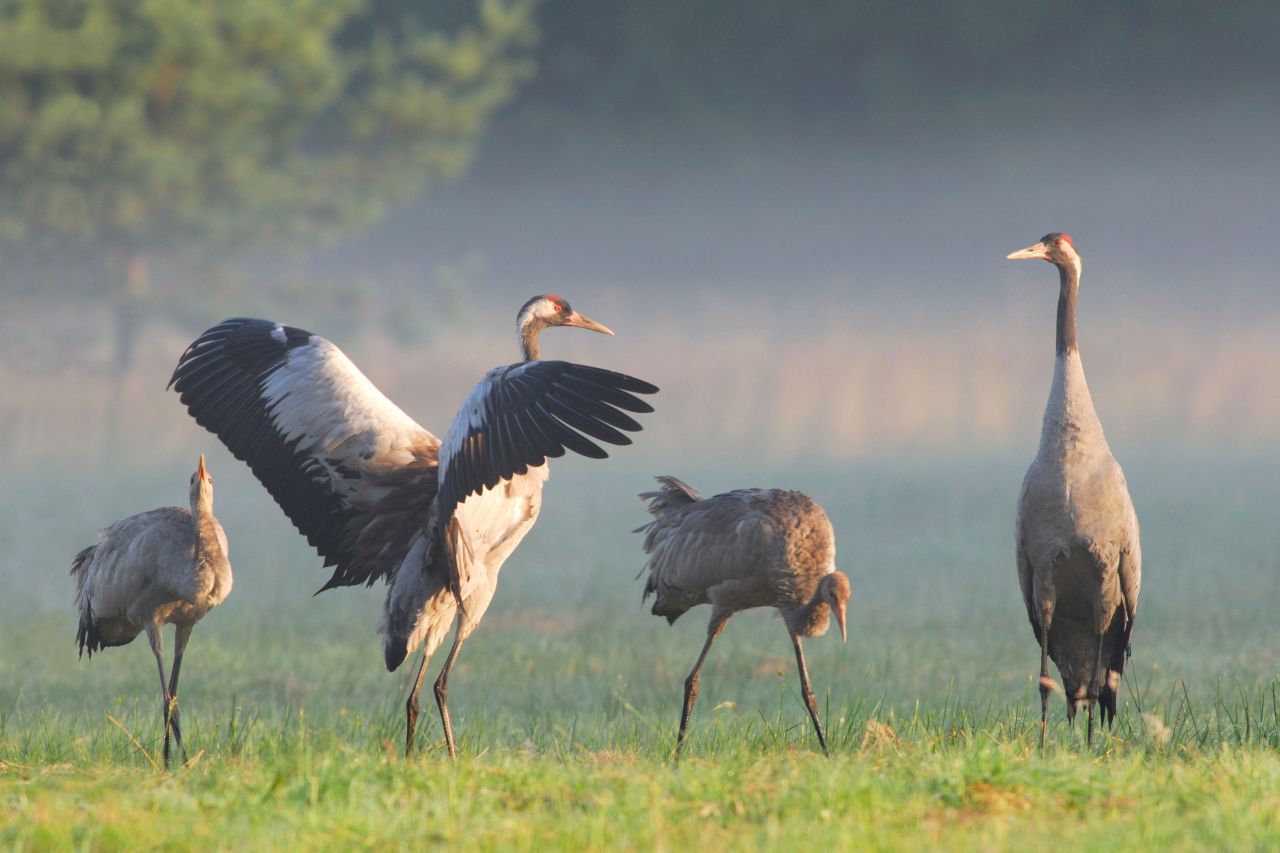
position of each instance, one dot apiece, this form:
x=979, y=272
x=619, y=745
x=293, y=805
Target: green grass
x=566, y=699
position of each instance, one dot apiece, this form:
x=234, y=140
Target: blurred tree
x=133, y=130
x=716, y=73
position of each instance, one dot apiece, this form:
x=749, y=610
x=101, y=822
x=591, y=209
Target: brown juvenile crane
x=743, y=549
x=1079, y=558
x=380, y=497
x=168, y=566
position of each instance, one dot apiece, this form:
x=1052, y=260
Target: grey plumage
x=1078, y=551
x=167, y=566
x=738, y=550
x=381, y=497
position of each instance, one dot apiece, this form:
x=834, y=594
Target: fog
x=809, y=266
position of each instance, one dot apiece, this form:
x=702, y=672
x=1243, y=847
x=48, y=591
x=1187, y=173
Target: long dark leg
x=411, y=707
x=1046, y=620
x=156, y=638
x=442, y=687
x=810, y=701
x=1108, y=692
x=1093, y=688
x=181, y=633
x=718, y=621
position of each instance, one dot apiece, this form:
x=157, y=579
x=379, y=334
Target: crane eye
x=558, y=306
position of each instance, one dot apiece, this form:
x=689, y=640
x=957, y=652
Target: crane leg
x=156, y=638
x=1046, y=620
x=181, y=633
x=810, y=701
x=411, y=707
x=1094, y=687
x=718, y=621
x=442, y=688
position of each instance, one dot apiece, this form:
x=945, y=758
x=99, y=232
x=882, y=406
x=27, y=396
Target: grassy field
x=566, y=699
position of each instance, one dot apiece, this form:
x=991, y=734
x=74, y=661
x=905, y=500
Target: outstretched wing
x=354, y=473
x=520, y=415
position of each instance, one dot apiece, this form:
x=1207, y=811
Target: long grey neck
x=529, y=340
x=208, y=545
x=1069, y=286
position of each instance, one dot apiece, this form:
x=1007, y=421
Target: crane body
x=168, y=566
x=736, y=551
x=1078, y=551
x=382, y=498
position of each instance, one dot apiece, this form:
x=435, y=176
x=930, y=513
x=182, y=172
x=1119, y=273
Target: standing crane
x=743, y=549
x=1079, y=559
x=380, y=497
x=168, y=566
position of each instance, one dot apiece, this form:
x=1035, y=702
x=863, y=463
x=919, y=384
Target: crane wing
x=353, y=472
x=133, y=556
x=695, y=546
x=1129, y=567
x=1025, y=575
x=1024, y=580
x=520, y=415
x=1130, y=563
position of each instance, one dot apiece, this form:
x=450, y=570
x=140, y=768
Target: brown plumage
x=743, y=549
x=168, y=566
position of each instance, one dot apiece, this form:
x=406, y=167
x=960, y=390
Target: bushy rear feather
x=674, y=492
x=86, y=637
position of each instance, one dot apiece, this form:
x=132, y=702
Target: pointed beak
x=1039, y=251
x=202, y=473
x=579, y=321
x=838, y=609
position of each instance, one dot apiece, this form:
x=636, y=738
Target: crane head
x=550, y=310
x=835, y=591
x=1057, y=248
x=201, y=485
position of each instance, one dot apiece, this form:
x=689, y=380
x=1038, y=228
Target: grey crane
x=380, y=497
x=1078, y=552
x=168, y=566
x=738, y=550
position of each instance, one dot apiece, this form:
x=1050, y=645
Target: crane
x=167, y=566
x=738, y=550
x=1078, y=551
x=380, y=497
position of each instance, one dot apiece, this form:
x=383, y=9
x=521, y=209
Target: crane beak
x=202, y=473
x=838, y=609
x=582, y=322
x=1037, y=252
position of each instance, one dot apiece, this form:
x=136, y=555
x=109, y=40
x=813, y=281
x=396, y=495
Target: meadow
x=566, y=699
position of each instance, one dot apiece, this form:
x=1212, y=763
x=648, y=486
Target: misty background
x=793, y=217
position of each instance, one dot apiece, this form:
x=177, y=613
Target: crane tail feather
x=674, y=492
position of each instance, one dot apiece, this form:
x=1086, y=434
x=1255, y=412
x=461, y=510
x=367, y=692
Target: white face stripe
x=278, y=335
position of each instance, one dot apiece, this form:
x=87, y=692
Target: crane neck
x=208, y=545
x=1071, y=423
x=529, y=332
x=810, y=618
x=1069, y=286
